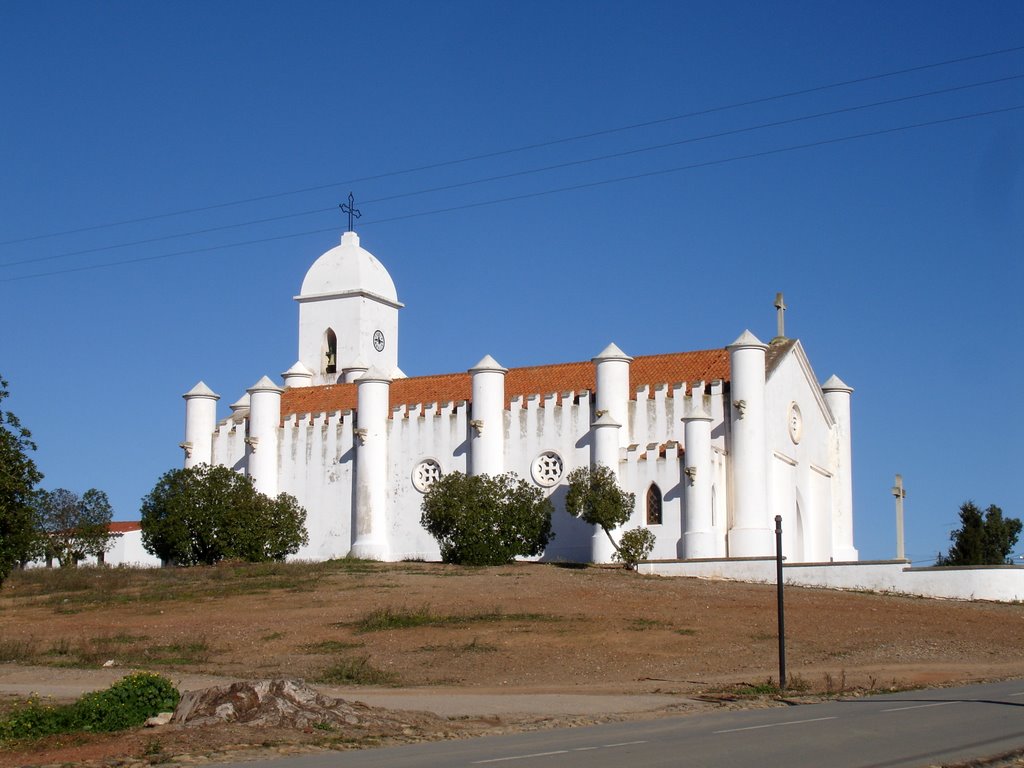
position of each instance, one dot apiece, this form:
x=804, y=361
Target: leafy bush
x=34, y=718
x=127, y=703
x=634, y=546
x=205, y=514
x=484, y=520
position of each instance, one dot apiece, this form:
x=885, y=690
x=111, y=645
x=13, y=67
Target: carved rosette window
x=547, y=469
x=426, y=473
x=654, y=505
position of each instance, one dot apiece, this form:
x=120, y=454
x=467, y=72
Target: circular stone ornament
x=425, y=474
x=547, y=469
x=795, y=423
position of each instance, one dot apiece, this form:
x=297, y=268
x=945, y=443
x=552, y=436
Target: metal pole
x=782, y=612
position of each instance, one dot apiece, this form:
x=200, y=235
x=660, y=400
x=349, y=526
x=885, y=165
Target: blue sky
x=899, y=252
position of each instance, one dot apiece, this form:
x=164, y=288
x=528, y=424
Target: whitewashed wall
x=316, y=465
x=997, y=583
x=417, y=432
x=800, y=474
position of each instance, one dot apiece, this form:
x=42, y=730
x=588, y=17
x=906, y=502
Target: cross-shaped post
x=780, y=321
x=351, y=210
x=900, y=493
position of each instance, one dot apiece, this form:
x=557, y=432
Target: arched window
x=654, y=505
x=330, y=352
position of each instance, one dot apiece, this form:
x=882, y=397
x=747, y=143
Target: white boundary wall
x=1002, y=583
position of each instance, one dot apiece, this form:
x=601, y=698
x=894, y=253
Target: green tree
x=634, y=546
x=204, y=514
x=18, y=478
x=485, y=520
x=73, y=527
x=982, y=539
x=595, y=497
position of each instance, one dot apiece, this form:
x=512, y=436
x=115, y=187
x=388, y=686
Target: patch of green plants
x=72, y=590
x=396, y=618
x=474, y=646
x=127, y=703
x=193, y=652
x=353, y=565
x=60, y=647
x=794, y=684
x=768, y=688
x=17, y=649
x=356, y=670
x=639, y=625
x=127, y=649
x=404, y=618
x=330, y=646
x=686, y=631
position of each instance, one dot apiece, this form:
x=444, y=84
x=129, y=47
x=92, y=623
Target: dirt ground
x=468, y=645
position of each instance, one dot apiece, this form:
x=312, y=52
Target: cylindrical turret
x=354, y=372
x=612, y=385
x=200, y=423
x=837, y=397
x=605, y=433
x=698, y=536
x=264, y=426
x=373, y=402
x=487, y=436
x=297, y=376
x=751, y=534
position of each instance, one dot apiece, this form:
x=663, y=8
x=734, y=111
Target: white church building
x=713, y=443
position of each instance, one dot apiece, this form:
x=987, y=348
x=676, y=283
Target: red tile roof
x=651, y=370
x=124, y=527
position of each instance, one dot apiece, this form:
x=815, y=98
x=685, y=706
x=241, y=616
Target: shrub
x=634, y=546
x=484, y=520
x=595, y=498
x=127, y=703
x=205, y=514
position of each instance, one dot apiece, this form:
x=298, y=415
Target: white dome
x=348, y=268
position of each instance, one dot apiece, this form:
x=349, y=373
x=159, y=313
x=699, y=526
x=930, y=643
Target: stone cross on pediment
x=780, y=307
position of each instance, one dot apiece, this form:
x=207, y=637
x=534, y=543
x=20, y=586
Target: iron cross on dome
x=351, y=210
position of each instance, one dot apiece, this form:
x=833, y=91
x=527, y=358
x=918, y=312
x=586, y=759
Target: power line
x=531, y=171
x=542, y=193
x=694, y=166
x=527, y=147
x=149, y=240
x=693, y=139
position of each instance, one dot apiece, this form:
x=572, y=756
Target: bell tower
x=348, y=315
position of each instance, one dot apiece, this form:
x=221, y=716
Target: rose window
x=547, y=469
x=426, y=473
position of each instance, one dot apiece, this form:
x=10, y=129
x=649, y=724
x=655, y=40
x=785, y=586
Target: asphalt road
x=914, y=728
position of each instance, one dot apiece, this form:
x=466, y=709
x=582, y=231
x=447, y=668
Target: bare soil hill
x=445, y=630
